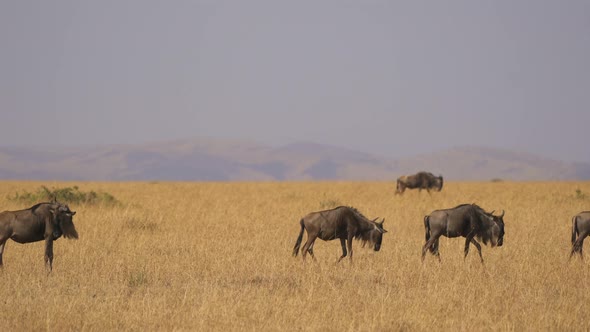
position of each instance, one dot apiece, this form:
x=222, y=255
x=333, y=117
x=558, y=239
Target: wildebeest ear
x=375, y=220
x=73, y=212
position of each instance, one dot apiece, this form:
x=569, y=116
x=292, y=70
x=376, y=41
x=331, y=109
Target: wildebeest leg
x=2, y=244
x=478, y=246
x=310, y=251
x=468, y=239
x=310, y=240
x=434, y=250
x=49, y=253
x=428, y=245
x=579, y=244
x=343, y=244
x=350, y=237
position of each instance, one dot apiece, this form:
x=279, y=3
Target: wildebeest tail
x=427, y=227
x=574, y=229
x=299, y=239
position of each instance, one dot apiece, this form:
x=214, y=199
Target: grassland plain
x=217, y=256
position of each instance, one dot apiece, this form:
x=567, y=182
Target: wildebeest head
x=495, y=233
x=438, y=183
x=376, y=235
x=498, y=230
x=64, y=221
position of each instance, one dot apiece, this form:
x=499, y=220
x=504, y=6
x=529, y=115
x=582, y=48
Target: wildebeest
x=420, y=180
x=344, y=223
x=43, y=221
x=467, y=220
x=580, y=229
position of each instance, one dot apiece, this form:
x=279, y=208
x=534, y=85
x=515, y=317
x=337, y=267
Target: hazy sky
x=389, y=77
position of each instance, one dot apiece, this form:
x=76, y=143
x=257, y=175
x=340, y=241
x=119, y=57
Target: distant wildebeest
x=344, y=223
x=580, y=229
x=420, y=180
x=43, y=221
x=467, y=220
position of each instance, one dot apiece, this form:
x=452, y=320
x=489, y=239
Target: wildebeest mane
x=358, y=213
x=461, y=205
x=363, y=235
x=484, y=233
x=36, y=206
x=349, y=211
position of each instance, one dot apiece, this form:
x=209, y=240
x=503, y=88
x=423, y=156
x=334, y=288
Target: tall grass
x=217, y=256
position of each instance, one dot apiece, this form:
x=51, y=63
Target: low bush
x=71, y=195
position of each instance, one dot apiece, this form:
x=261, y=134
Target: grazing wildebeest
x=580, y=229
x=467, y=220
x=420, y=180
x=43, y=221
x=344, y=223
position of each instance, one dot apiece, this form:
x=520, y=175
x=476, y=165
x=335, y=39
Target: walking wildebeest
x=344, y=223
x=43, y=221
x=581, y=229
x=468, y=221
x=420, y=180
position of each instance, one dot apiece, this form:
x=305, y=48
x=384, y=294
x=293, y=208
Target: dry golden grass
x=217, y=256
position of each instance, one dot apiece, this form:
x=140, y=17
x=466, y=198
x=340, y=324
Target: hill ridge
x=232, y=160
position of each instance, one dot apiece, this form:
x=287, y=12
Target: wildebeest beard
x=66, y=228
x=367, y=237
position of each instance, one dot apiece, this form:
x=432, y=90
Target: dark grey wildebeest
x=467, y=220
x=420, y=180
x=344, y=223
x=580, y=229
x=43, y=221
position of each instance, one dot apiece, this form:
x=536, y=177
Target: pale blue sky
x=394, y=78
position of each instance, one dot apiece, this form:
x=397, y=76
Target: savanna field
x=217, y=256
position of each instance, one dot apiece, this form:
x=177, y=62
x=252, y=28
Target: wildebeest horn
x=502, y=215
x=375, y=220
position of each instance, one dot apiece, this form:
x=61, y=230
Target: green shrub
x=137, y=278
x=71, y=195
x=580, y=194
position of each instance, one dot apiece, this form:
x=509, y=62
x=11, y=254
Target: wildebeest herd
x=50, y=220
x=466, y=220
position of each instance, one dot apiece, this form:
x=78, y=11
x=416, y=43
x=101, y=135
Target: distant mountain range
x=222, y=160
